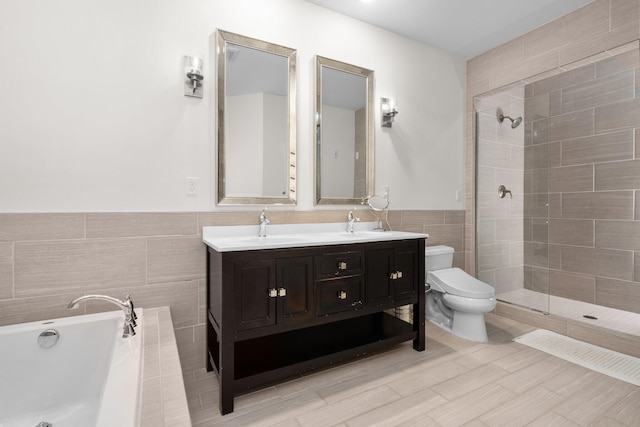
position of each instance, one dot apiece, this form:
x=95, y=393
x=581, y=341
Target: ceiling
x=464, y=28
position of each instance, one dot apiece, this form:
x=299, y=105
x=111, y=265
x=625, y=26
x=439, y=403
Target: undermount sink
x=245, y=237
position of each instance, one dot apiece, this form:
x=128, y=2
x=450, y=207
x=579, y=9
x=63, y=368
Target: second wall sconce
x=193, y=76
x=388, y=109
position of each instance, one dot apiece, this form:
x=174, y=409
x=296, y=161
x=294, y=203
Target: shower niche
x=565, y=148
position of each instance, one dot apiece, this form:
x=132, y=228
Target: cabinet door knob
x=282, y=292
x=342, y=295
x=272, y=293
x=342, y=265
x=399, y=273
x=393, y=276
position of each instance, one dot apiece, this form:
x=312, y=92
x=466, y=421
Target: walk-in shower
x=571, y=230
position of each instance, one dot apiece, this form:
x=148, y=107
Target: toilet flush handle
x=502, y=192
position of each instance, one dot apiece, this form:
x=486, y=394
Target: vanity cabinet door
x=391, y=274
x=379, y=268
x=406, y=273
x=253, y=287
x=294, y=286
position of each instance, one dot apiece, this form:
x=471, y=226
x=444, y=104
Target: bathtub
x=90, y=377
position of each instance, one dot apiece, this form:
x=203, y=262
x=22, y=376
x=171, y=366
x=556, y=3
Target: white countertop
x=280, y=236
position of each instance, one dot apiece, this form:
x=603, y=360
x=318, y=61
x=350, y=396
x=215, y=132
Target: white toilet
x=456, y=301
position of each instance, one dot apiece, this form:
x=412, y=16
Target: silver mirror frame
x=370, y=144
x=222, y=37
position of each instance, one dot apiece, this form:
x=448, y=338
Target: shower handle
x=502, y=192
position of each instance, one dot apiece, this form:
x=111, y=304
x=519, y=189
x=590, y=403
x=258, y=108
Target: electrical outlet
x=385, y=192
x=458, y=195
x=192, y=186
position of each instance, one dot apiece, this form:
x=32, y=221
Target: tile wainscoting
x=159, y=258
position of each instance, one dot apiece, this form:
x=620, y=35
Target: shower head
x=514, y=122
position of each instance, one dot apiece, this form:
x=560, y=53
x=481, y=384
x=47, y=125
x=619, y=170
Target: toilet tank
x=438, y=257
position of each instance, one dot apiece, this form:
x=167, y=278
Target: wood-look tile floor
x=452, y=383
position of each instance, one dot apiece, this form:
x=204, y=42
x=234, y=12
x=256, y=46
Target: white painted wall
x=93, y=117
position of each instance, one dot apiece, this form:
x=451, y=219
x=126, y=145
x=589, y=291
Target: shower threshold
x=606, y=317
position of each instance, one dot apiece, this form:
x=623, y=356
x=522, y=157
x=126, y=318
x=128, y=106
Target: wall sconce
x=388, y=110
x=193, y=76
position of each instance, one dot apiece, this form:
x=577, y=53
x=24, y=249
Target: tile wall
x=159, y=258
x=599, y=30
x=580, y=159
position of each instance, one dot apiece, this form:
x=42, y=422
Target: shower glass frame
x=512, y=225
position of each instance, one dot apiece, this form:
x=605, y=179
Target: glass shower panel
x=511, y=201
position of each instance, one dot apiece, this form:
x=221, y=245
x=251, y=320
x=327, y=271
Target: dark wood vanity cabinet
x=278, y=312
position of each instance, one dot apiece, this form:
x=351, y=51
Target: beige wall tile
x=571, y=232
x=449, y=235
x=591, y=20
x=623, y=175
x=454, y=217
x=181, y=297
x=598, y=205
x=618, y=234
x=608, y=263
x=6, y=270
x=595, y=44
x=492, y=256
x=620, y=294
x=140, y=224
x=21, y=310
x=566, y=79
x=509, y=278
x=571, y=178
x=601, y=91
x=625, y=61
x=621, y=115
x=59, y=266
x=536, y=107
x=599, y=148
x=624, y=12
x=573, y=286
x=172, y=259
x=422, y=217
x=36, y=226
x=571, y=125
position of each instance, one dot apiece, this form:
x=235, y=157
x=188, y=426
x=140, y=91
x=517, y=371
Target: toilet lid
x=456, y=282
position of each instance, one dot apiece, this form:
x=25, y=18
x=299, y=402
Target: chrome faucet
x=350, y=220
x=126, y=306
x=264, y=221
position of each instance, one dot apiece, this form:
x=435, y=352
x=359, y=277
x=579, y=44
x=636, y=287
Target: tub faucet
x=350, y=220
x=126, y=306
x=264, y=221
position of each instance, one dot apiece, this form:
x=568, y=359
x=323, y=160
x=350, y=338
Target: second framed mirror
x=344, y=152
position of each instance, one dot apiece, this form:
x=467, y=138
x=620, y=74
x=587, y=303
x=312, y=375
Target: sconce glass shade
x=193, y=76
x=388, y=111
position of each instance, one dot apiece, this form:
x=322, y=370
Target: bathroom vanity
x=298, y=300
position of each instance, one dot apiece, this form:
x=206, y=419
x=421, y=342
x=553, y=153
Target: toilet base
x=469, y=326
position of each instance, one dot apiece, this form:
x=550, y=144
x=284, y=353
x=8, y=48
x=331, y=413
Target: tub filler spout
x=126, y=306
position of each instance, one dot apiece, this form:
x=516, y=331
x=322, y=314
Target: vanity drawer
x=335, y=296
x=339, y=264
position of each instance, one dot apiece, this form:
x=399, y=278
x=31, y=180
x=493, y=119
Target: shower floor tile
x=609, y=318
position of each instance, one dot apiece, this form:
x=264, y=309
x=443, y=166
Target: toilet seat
x=456, y=282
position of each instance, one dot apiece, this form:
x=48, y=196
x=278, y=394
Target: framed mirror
x=344, y=152
x=256, y=122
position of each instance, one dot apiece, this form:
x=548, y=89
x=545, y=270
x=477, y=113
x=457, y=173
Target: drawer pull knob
x=272, y=293
x=282, y=292
x=342, y=265
x=399, y=273
x=342, y=295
